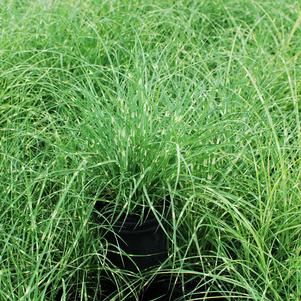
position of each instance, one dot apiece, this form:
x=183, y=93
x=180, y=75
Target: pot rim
x=132, y=223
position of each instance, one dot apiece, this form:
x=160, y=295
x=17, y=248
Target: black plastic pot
x=136, y=246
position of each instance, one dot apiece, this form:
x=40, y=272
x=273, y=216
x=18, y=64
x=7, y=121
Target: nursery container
x=136, y=245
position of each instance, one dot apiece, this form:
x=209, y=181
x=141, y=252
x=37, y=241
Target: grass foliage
x=132, y=102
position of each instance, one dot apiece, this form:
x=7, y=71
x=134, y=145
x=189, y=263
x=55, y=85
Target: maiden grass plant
x=134, y=103
x=143, y=134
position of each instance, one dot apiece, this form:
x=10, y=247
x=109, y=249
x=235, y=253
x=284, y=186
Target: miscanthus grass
x=132, y=103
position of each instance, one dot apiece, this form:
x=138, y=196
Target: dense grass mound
x=132, y=102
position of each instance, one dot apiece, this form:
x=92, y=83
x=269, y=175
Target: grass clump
x=133, y=103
